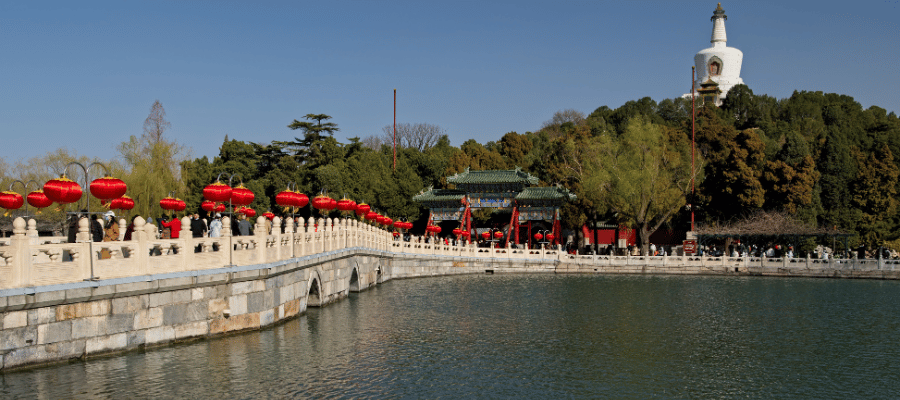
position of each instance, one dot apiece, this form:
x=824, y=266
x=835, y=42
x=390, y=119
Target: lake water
x=532, y=336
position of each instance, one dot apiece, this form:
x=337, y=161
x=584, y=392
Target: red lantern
x=11, y=200
x=388, y=221
x=241, y=196
x=62, y=190
x=346, y=206
x=498, y=234
x=486, y=235
x=538, y=236
x=269, y=215
x=221, y=208
x=300, y=200
x=167, y=203
x=249, y=212
x=396, y=233
x=466, y=233
x=217, y=192
x=550, y=237
x=437, y=230
x=362, y=209
x=286, y=198
x=371, y=215
x=108, y=188
x=457, y=232
x=180, y=205
x=323, y=203
x=207, y=205
x=122, y=203
x=38, y=199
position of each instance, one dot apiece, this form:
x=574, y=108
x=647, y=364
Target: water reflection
x=532, y=336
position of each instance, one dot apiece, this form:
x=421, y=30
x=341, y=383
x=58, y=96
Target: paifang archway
x=504, y=190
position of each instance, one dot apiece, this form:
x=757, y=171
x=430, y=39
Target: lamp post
x=543, y=237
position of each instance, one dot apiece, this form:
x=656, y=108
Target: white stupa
x=718, y=66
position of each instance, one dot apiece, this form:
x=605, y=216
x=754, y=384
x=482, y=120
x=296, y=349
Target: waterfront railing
x=28, y=260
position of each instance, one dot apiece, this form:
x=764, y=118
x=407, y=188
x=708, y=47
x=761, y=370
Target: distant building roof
x=433, y=195
x=493, y=176
x=545, y=193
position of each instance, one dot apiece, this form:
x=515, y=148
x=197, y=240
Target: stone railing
x=27, y=260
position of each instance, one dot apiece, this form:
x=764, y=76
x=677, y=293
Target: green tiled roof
x=440, y=195
x=493, y=176
x=545, y=193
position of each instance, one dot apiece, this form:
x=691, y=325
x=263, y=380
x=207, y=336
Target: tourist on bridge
x=215, y=227
x=198, y=228
x=173, y=226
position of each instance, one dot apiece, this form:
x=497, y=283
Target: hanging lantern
x=108, y=188
x=122, y=203
x=180, y=205
x=221, y=208
x=286, y=198
x=38, y=199
x=457, y=232
x=362, y=209
x=323, y=203
x=11, y=200
x=208, y=205
x=217, y=192
x=269, y=215
x=249, y=212
x=396, y=233
x=466, y=233
x=538, y=236
x=346, y=206
x=62, y=190
x=498, y=234
x=388, y=221
x=486, y=235
x=437, y=230
x=550, y=237
x=300, y=200
x=241, y=196
x=167, y=203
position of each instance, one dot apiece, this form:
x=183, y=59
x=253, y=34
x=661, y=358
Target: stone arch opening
x=354, y=281
x=314, y=297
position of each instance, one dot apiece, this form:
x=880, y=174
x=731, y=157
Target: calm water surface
x=533, y=336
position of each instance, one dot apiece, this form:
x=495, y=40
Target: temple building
x=718, y=67
x=506, y=191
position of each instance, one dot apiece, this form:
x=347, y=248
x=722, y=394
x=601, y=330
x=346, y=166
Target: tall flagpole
x=692, y=148
x=395, y=129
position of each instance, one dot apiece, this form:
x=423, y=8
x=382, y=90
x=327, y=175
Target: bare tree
x=373, y=142
x=560, y=117
x=419, y=136
x=155, y=124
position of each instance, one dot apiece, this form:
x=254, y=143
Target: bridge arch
x=354, y=280
x=314, y=293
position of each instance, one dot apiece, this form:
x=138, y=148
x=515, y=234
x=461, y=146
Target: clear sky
x=83, y=75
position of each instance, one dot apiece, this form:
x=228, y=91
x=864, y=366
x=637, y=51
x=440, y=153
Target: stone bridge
x=61, y=301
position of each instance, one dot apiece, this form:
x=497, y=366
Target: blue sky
x=83, y=75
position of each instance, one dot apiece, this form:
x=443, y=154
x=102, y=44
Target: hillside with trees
x=820, y=157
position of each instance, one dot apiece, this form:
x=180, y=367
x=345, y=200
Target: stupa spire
x=718, y=19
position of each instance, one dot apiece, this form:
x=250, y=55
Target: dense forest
x=820, y=157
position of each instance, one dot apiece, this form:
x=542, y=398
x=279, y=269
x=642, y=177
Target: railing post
x=187, y=239
x=141, y=236
x=262, y=238
x=20, y=246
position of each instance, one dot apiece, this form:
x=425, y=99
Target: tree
x=312, y=133
x=875, y=192
x=154, y=163
x=644, y=175
x=418, y=136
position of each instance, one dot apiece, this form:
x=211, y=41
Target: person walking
x=215, y=227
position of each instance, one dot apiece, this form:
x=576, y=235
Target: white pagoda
x=719, y=66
